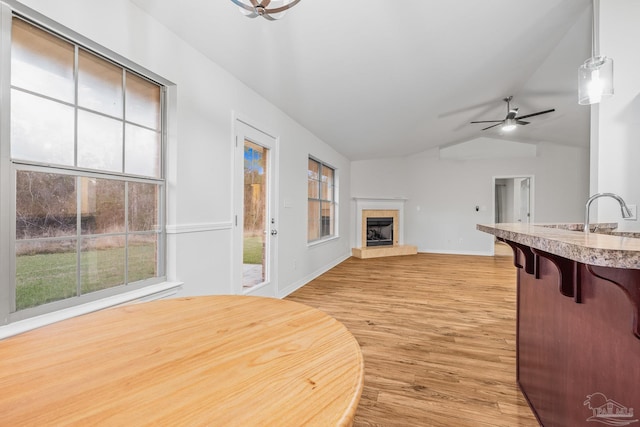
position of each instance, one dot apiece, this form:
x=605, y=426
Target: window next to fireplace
x=380, y=231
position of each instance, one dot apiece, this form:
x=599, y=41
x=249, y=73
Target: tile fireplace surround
x=367, y=207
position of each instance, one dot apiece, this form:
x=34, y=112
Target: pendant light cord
x=595, y=49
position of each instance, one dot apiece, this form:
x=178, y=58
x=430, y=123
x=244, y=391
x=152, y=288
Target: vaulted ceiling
x=390, y=78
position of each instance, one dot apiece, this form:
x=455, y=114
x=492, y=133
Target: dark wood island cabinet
x=578, y=324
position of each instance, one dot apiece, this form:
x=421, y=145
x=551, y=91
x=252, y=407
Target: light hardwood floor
x=437, y=334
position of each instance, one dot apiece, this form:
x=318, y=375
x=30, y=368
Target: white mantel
x=366, y=203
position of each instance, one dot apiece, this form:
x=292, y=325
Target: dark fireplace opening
x=380, y=231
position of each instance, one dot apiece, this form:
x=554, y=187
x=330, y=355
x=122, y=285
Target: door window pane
x=142, y=151
x=45, y=205
x=45, y=272
x=142, y=102
x=254, y=256
x=143, y=207
x=99, y=142
x=41, y=62
x=41, y=130
x=102, y=263
x=142, y=257
x=102, y=205
x=99, y=85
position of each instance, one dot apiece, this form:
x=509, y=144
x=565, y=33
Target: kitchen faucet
x=626, y=212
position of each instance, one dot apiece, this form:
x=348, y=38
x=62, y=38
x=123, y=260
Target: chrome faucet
x=626, y=212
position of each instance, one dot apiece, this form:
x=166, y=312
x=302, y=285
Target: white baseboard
x=454, y=252
x=309, y=277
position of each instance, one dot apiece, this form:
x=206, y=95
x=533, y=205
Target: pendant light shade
x=595, y=76
x=595, y=80
x=268, y=9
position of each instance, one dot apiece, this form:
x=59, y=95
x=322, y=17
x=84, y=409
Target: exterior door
x=255, y=220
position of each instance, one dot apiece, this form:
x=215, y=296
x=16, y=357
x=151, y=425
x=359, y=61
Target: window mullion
x=75, y=106
x=78, y=236
x=124, y=118
x=7, y=174
x=127, y=188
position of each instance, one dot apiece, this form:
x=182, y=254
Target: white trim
x=532, y=194
x=455, y=252
x=198, y=228
x=245, y=129
x=322, y=241
x=402, y=199
x=148, y=293
x=309, y=277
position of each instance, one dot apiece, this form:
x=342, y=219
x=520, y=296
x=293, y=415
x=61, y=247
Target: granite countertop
x=605, y=247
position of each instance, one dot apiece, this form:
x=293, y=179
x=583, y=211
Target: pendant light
x=268, y=9
x=595, y=76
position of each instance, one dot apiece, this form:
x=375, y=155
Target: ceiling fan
x=512, y=119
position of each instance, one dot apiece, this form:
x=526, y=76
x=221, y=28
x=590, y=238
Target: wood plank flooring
x=437, y=334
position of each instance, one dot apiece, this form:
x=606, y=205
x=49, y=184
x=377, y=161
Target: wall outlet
x=634, y=213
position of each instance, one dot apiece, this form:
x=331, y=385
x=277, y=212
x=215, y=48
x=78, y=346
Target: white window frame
x=334, y=202
x=48, y=313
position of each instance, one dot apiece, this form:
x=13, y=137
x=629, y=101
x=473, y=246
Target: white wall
x=200, y=150
x=615, y=162
x=440, y=214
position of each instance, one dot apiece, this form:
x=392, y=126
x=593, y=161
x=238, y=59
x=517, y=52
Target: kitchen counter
x=578, y=327
x=605, y=247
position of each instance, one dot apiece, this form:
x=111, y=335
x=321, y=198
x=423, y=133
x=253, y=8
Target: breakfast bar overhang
x=578, y=331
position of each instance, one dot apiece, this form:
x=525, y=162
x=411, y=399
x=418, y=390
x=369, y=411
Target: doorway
x=513, y=202
x=513, y=199
x=255, y=215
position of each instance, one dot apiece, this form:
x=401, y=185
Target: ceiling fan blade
x=522, y=122
x=489, y=121
x=243, y=6
x=283, y=8
x=536, y=114
x=492, y=126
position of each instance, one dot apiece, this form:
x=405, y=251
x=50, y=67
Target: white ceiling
x=391, y=78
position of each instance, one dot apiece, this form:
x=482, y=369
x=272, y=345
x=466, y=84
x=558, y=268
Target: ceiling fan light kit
x=268, y=9
x=595, y=76
x=509, y=125
x=511, y=120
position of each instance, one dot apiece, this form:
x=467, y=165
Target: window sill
x=160, y=290
x=322, y=241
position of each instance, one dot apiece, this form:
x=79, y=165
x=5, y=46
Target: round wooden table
x=218, y=361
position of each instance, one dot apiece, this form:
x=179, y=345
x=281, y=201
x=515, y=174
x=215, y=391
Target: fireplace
x=380, y=231
x=379, y=228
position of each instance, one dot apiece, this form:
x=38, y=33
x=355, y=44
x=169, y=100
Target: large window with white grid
x=84, y=161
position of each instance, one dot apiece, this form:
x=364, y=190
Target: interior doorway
x=255, y=211
x=513, y=199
